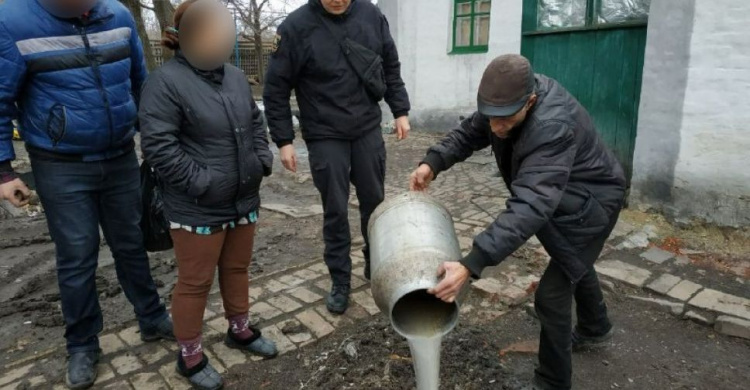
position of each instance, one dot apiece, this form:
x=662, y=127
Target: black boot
x=583, y=342
x=338, y=299
x=82, y=369
x=161, y=331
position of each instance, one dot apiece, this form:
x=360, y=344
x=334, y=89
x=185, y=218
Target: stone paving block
x=624, y=272
x=209, y=314
x=461, y=227
x=633, y=241
x=306, y=275
x=732, y=326
x=215, y=362
x=219, y=324
x=126, y=363
x=526, y=283
x=305, y=295
x=148, y=381
x=357, y=260
x=104, y=372
x=723, y=303
x=622, y=228
x=324, y=284
x=291, y=280
x=320, y=268
x=131, y=336
x=465, y=242
x=110, y=343
x=488, y=287
x=358, y=280
x=15, y=374
x=475, y=223
x=313, y=321
x=283, y=344
x=364, y=299
x=36, y=381
x=336, y=320
x=684, y=290
x=699, y=318
x=154, y=353
x=121, y=385
x=674, y=308
x=275, y=286
x=228, y=356
x=663, y=284
x=264, y=310
x=657, y=255
x=173, y=379
x=254, y=293
x=284, y=303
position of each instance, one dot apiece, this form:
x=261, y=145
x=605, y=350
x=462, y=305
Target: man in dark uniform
x=340, y=116
x=566, y=187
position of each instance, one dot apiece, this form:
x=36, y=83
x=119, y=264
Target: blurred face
x=336, y=7
x=502, y=125
x=207, y=34
x=68, y=8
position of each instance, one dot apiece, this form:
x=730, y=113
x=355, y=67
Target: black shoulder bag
x=367, y=64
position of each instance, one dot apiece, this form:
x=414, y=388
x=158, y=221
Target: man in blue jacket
x=71, y=72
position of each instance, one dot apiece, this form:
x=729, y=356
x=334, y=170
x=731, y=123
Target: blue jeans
x=78, y=197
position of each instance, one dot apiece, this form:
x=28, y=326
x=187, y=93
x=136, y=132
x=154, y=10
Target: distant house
x=667, y=82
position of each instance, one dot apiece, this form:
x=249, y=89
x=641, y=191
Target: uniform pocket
x=583, y=226
x=57, y=123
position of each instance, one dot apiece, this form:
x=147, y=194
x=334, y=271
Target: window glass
x=482, y=6
x=482, y=30
x=463, y=8
x=619, y=11
x=561, y=13
x=463, y=31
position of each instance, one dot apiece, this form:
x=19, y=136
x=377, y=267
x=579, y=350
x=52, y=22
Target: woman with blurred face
x=204, y=136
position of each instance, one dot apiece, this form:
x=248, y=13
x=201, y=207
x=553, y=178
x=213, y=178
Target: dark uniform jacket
x=204, y=135
x=332, y=99
x=565, y=183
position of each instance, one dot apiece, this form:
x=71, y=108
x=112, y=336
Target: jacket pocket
x=221, y=190
x=57, y=123
x=583, y=226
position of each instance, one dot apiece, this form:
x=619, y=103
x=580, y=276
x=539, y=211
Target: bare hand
x=421, y=178
x=289, y=157
x=402, y=127
x=15, y=192
x=454, y=276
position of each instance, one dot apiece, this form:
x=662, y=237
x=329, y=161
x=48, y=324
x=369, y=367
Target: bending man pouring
x=566, y=188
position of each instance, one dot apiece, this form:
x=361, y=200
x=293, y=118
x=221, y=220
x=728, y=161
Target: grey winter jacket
x=204, y=136
x=565, y=183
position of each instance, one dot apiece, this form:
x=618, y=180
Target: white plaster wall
x=443, y=86
x=696, y=146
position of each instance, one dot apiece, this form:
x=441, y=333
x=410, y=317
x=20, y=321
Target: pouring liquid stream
x=423, y=320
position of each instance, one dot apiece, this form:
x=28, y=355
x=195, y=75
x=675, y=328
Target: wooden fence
x=248, y=61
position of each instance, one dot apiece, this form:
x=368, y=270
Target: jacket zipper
x=98, y=76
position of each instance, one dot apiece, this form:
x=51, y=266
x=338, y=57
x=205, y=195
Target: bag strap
x=329, y=26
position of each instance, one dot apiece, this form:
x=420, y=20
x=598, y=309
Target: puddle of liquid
x=423, y=320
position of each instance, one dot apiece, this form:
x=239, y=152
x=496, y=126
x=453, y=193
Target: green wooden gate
x=595, y=49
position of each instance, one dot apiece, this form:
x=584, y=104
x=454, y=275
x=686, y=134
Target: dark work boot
x=338, y=299
x=584, y=343
x=161, y=331
x=82, y=369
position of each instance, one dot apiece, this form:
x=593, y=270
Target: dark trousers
x=553, y=303
x=334, y=164
x=78, y=197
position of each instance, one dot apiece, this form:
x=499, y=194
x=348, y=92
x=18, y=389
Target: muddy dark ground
x=651, y=350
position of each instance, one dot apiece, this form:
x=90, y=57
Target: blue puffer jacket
x=71, y=83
